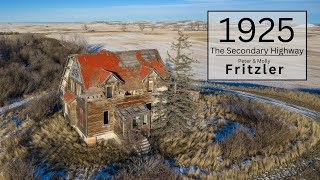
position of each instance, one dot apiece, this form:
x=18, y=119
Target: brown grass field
x=280, y=137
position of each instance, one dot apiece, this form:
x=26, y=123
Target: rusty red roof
x=129, y=66
x=68, y=96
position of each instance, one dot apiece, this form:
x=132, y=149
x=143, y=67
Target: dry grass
x=56, y=144
x=18, y=169
x=279, y=136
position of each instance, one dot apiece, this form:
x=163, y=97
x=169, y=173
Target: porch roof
x=132, y=111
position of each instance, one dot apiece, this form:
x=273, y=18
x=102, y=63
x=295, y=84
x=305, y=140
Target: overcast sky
x=125, y=10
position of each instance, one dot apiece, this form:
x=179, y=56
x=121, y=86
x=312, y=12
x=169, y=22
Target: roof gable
x=75, y=71
x=131, y=67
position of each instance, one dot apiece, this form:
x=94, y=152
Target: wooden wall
x=73, y=113
x=95, y=117
x=81, y=103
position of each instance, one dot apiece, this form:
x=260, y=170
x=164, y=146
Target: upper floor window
x=109, y=92
x=72, y=84
x=150, y=85
x=78, y=89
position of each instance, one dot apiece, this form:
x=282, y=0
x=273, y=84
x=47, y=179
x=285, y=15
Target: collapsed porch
x=134, y=118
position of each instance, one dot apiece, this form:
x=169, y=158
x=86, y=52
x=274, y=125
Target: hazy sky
x=126, y=10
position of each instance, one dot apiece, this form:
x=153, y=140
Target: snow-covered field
x=108, y=35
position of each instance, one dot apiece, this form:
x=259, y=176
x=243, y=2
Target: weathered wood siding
x=72, y=113
x=95, y=117
x=81, y=105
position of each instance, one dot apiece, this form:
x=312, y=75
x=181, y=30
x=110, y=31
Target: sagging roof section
x=132, y=109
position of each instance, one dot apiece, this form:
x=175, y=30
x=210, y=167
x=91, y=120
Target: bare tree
x=192, y=26
x=175, y=109
x=141, y=26
x=124, y=27
x=78, y=40
x=85, y=27
x=197, y=25
x=176, y=27
x=152, y=26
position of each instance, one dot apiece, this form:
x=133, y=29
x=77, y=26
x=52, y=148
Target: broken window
x=145, y=119
x=128, y=93
x=136, y=121
x=150, y=85
x=109, y=92
x=106, y=117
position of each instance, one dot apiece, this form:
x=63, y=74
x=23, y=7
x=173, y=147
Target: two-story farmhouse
x=109, y=94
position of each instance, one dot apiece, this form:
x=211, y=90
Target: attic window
x=109, y=92
x=150, y=85
x=78, y=89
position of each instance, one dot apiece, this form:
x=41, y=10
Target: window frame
x=149, y=82
x=78, y=89
x=108, y=91
x=136, y=121
x=104, y=118
x=145, y=119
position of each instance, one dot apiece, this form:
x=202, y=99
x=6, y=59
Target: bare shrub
x=42, y=107
x=77, y=42
x=270, y=129
x=142, y=26
x=147, y=168
x=239, y=145
x=152, y=26
x=124, y=27
x=268, y=136
x=15, y=82
x=19, y=169
x=85, y=27
x=33, y=63
x=9, y=33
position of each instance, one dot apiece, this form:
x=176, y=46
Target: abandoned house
x=109, y=94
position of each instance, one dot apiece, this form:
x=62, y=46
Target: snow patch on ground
x=107, y=171
x=228, y=128
x=44, y=173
